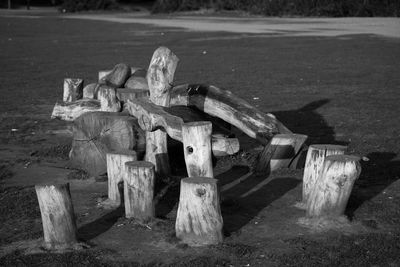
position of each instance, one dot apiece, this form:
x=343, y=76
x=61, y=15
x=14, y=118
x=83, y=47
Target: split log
x=199, y=221
x=97, y=133
x=232, y=109
x=315, y=158
x=196, y=139
x=115, y=172
x=124, y=94
x=160, y=76
x=332, y=190
x=279, y=153
x=108, y=99
x=139, y=190
x=73, y=89
x=58, y=218
x=118, y=76
x=71, y=111
x=91, y=90
x=152, y=117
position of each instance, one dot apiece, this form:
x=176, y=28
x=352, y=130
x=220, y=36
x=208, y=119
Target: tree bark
x=160, y=76
x=73, y=89
x=332, y=190
x=196, y=138
x=139, y=190
x=118, y=76
x=313, y=168
x=124, y=94
x=108, y=100
x=115, y=171
x=199, y=221
x=72, y=110
x=58, y=218
x=280, y=152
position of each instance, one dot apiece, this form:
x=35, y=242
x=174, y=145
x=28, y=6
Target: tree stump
x=139, y=190
x=108, y=99
x=97, y=133
x=115, y=171
x=58, y=218
x=332, y=190
x=160, y=76
x=279, y=153
x=315, y=158
x=199, y=221
x=196, y=138
x=73, y=89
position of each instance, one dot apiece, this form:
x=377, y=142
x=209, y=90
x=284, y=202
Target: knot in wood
x=200, y=192
x=145, y=123
x=189, y=149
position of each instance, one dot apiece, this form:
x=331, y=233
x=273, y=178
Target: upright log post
x=73, y=89
x=115, y=171
x=196, y=138
x=315, y=158
x=139, y=190
x=160, y=76
x=199, y=221
x=332, y=190
x=108, y=99
x=58, y=218
x=280, y=151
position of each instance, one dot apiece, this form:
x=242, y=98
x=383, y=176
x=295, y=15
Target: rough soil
x=336, y=89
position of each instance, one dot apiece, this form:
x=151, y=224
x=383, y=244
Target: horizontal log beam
x=69, y=111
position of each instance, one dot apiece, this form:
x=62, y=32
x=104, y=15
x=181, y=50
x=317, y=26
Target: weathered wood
x=332, y=189
x=115, y=172
x=152, y=117
x=72, y=110
x=196, y=139
x=139, y=190
x=118, y=76
x=232, y=109
x=279, y=152
x=124, y=94
x=58, y=218
x=160, y=76
x=73, y=89
x=199, y=221
x=91, y=90
x=97, y=133
x=103, y=73
x=313, y=168
x=137, y=82
x=108, y=99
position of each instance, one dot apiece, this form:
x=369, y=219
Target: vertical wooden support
x=73, y=89
x=315, y=158
x=279, y=152
x=332, y=190
x=115, y=171
x=58, y=218
x=108, y=99
x=199, y=221
x=196, y=138
x=139, y=190
x=160, y=76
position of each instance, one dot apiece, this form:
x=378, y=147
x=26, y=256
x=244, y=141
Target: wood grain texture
x=70, y=111
x=73, y=89
x=108, y=99
x=118, y=76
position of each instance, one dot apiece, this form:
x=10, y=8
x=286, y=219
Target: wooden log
x=152, y=117
x=196, y=138
x=124, y=94
x=118, y=76
x=108, y=99
x=136, y=82
x=58, y=218
x=72, y=110
x=160, y=76
x=139, y=190
x=315, y=158
x=104, y=73
x=279, y=153
x=97, y=133
x=199, y=221
x=115, y=172
x=332, y=190
x=73, y=89
x=232, y=109
x=90, y=91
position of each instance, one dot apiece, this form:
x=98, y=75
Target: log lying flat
x=152, y=117
x=69, y=111
x=225, y=105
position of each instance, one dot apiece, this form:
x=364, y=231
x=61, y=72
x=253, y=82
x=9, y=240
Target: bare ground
x=336, y=89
